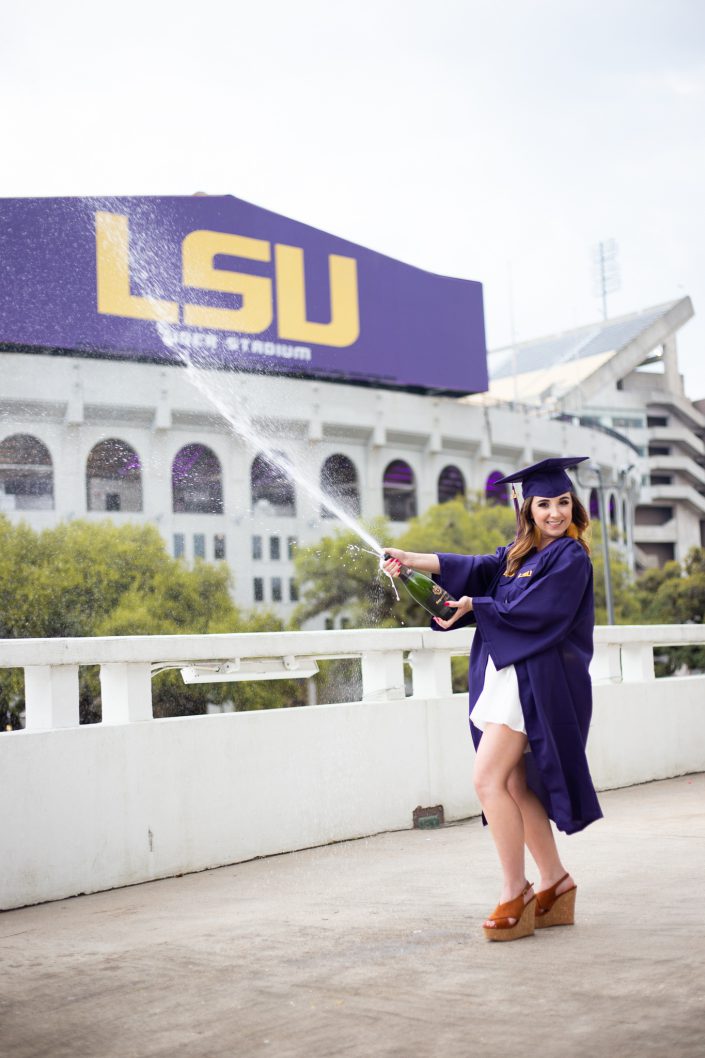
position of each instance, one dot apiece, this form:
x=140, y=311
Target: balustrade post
x=126, y=692
x=431, y=673
x=606, y=663
x=383, y=676
x=637, y=662
x=51, y=697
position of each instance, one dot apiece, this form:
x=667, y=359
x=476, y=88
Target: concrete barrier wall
x=646, y=731
x=91, y=808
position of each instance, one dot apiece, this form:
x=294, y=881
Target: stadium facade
x=379, y=389
x=622, y=375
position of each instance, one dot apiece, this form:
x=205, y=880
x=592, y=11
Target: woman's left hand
x=462, y=607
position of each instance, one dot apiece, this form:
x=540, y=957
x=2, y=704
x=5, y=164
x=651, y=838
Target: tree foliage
x=454, y=527
x=338, y=575
x=99, y=579
x=675, y=595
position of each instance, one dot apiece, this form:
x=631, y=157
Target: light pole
x=623, y=486
x=605, y=271
x=609, y=602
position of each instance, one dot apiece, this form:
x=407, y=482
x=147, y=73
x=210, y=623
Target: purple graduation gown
x=541, y=621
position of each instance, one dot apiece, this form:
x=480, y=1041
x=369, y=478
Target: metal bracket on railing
x=288, y=667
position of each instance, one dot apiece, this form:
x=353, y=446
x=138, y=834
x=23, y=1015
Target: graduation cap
x=547, y=478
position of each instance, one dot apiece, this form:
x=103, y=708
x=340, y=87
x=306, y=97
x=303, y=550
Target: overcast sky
x=496, y=140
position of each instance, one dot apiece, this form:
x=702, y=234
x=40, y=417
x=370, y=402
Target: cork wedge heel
x=556, y=910
x=517, y=909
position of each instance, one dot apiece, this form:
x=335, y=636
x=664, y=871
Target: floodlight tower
x=606, y=278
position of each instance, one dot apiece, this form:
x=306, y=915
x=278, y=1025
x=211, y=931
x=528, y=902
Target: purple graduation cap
x=547, y=478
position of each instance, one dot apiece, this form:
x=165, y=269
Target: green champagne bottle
x=425, y=591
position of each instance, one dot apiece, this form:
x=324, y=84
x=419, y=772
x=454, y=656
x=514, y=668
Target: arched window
x=594, y=504
x=272, y=489
x=197, y=481
x=113, y=477
x=399, y=489
x=26, y=474
x=339, y=481
x=496, y=495
x=451, y=483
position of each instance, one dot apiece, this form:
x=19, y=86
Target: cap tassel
x=516, y=505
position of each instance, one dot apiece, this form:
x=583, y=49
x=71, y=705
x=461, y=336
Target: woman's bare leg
x=538, y=832
x=500, y=751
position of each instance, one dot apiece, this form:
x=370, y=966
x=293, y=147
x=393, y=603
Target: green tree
x=83, y=579
x=64, y=581
x=338, y=576
x=650, y=588
x=474, y=529
x=675, y=595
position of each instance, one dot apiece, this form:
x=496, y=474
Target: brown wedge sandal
x=552, y=910
x=516, y=908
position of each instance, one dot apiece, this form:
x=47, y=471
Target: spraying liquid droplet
x=234, y=411
x=382, y=560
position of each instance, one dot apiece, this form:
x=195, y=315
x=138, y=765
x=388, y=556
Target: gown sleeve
x=542, y=610
x=467, y=575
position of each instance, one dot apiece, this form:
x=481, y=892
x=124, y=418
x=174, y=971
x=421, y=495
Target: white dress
x=499, y=701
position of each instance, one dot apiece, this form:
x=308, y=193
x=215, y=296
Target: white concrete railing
x=110, y=804
x=128, y=663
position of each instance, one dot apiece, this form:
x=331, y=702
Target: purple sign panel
x=148, y=278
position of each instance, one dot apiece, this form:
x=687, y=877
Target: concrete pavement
x=373, y=948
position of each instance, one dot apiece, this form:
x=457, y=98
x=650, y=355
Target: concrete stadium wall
x=71, y=404
x=96, y=807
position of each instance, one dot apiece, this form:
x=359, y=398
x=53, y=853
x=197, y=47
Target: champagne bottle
x=425, y=591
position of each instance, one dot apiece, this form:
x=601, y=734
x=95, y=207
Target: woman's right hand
x=396, y=560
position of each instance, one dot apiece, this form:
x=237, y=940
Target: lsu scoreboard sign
x=246, y=288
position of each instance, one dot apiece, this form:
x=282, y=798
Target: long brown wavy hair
x=528, y=535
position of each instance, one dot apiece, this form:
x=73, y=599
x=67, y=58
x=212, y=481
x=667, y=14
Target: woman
x=530, y=690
